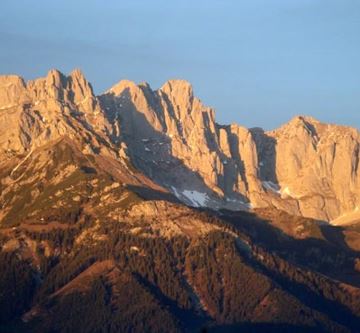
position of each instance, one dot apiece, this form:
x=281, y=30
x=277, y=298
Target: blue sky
x=257, y=62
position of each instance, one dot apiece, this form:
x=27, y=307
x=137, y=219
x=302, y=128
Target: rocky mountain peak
x=80, y=86
x=177, y=87
x=9, y=81
x=305, y=167
x=297, y=125
x=180, y=94
x=12, y=88
x=120, y=87
x=56, y=78
x=98, y=198
x=56, y=86
x=46, y=109
x=301, y=119
x=235, y=167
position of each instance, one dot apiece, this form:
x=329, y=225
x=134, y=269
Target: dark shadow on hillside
x=329, y=255
x=318, y=291
x=188, y=318
x=150, y=194
x=335, y=235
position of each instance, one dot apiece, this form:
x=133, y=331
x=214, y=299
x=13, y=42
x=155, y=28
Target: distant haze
x=257, y=62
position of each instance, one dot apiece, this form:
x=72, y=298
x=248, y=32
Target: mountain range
x=135, y=211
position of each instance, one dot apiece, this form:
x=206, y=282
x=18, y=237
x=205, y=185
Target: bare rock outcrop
x=317, y=164
x=305, y=167
x=47, y=108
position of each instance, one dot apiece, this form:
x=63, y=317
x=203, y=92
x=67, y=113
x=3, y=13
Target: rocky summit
x=134, y=211
x=306, y=168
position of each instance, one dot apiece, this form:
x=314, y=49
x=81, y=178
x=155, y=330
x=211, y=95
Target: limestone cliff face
x=305, y=167
x=45, y=109
x=318, y=165
x=172, y=131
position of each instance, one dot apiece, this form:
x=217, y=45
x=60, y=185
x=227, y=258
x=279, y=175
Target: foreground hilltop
x=306, y=167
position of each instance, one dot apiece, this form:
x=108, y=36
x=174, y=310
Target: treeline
x=132, y=309
x=156, y=260
x=339, y=302
x=162, y=283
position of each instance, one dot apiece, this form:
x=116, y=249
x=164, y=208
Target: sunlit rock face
x=317, y=164
x=305, y=167
x=44, y=109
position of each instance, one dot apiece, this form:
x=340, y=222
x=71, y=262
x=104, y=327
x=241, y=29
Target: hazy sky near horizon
x=257, y=62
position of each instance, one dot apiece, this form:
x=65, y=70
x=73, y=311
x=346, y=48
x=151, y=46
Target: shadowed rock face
x=305, y=167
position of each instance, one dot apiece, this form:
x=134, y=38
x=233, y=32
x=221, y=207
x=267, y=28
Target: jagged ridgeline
x=134, y=211
x=306, y=168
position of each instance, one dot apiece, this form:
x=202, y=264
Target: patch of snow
x=348, y=218
x=225, y=162
x=269, y=185
x=147, y=149
x=241, y=202
x=144, y=140
x=235, y=200
x=177, y=194
x=286, y=191
x=261, y=163
x=197, y=199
